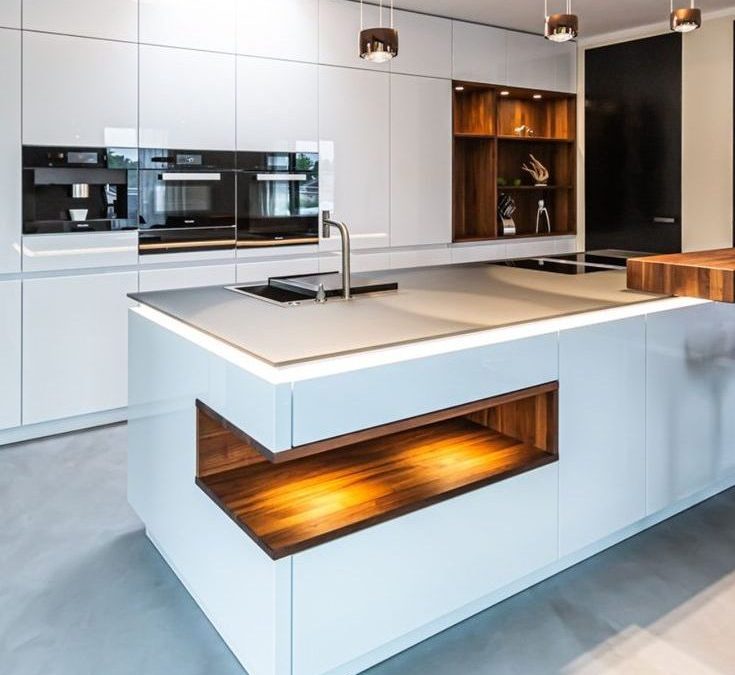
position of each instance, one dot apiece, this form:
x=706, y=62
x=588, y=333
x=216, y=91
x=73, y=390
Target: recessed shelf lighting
x=459, y=87
x=537, y=96
x=505, y=93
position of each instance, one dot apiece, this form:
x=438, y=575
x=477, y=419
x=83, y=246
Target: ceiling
x=595, y=16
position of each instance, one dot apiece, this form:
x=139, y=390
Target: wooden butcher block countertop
x=709, y=275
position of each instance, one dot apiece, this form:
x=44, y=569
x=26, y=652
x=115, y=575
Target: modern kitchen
x=380, y=337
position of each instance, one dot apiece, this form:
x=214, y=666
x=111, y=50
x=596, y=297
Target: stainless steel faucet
x=327, y=225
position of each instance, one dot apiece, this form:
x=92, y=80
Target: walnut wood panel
x=548, y=118
x=292, y=506
x=474, y=210
x=474, y=110
x=709, y=275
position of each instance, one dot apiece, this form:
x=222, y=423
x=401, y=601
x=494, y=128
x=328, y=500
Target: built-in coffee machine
x=79, y=189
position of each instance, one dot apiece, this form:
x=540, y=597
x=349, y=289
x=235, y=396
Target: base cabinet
x=10, y=350
x=602, y=436
x=75, y=344
x=690, y=399
x=187, y=277
x=356, y=594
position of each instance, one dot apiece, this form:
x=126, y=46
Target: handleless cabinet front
x=187, y=99
x=105, y=19
x=479, y=53
x=79, y=91
x=354, y=147
x=10, y=152
x=10, y=350
x=425, y=45
x=10, y=13
x=420, y=161
x=75, y=344
x=266, y=92
x=537, y=63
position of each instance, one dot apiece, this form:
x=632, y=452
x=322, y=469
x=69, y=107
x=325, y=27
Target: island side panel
x=360, y=599
x=690, y=401
x=333, y=405
x=244, y=593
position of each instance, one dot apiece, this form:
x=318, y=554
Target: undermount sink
x=303, y=289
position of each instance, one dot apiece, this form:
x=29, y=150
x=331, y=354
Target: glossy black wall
x=633, y=145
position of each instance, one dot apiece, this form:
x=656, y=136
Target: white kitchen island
x=334, y=483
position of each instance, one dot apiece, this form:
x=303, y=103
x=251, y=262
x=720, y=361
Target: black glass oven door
x=177, y=199
x=278, y=207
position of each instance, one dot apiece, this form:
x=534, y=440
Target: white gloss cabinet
x=602, y=435
x=537, y=63
x=187, y=99
x=354, y=147
x=192, y=24
x=186, y=277
x=339, y=28
x=10, y=353
x=106, y=19
x=690, y=399
x=282, y=29
x=10, y=152
x=268, y=93
x=479, y=53
x=75, y=344
x=425, y=45
x=79, y=91
x=10, y=13
x=420, y=161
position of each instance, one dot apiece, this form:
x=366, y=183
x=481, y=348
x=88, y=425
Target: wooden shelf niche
x=489, y=154
x=374, y=475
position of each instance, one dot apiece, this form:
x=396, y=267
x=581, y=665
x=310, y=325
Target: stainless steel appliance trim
x=280, y=176
x=191, y=176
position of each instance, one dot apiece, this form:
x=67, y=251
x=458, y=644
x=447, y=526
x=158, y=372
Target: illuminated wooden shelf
x=292, y=506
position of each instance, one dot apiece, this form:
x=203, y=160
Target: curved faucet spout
x=327, y=225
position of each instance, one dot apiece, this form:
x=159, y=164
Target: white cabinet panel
x=186, y=277
x=420, y=161
x=354, y=120
x=282, y=29
x=10, y=350
x=109, y=19
x=537, y=63
x=690, y=399
x=602, y=434
x=79, y=91
x=420, y=257
x=10, y=13
x=424, y=45
x=339, y=30
x=10, y=152
x=361, y=262
x=51, y=252
x=75, y=344
x=467, y=253
x=479, y=53
x=261, y=270
x=189, y=23
x=187, y=99
x=354, y=595
x=267, y=91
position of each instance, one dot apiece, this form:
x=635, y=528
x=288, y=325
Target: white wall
x=707, y=129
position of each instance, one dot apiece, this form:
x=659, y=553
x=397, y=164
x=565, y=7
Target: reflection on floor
x=82, y=592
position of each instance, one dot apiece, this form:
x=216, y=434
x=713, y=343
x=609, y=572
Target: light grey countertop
x=430, y=303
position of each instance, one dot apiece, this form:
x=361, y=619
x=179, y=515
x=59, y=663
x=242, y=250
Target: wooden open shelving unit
x=373, y=475
x=488, y=155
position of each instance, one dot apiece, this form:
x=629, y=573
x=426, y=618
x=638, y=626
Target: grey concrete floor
x=82, y=592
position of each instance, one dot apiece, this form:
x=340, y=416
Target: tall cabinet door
x=602, y=439
x=421, y=161
x=10, y=159
x=479, y=53
x=75, y=334
x=354, y=121
x=10, y=349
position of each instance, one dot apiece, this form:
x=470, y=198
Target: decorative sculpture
x=538, y=171
x=524, y=130
x=542, y=215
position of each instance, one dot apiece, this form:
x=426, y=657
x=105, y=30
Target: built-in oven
x=71, y=189
x=187, y=201
x=278, y=198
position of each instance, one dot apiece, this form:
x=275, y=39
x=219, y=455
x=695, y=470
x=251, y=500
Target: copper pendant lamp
x=560, y=27
x=685, y=19
x=379, y=44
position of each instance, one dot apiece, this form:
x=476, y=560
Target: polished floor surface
x=82, y=592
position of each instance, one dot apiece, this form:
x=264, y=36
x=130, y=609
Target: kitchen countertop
x=430, y=303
